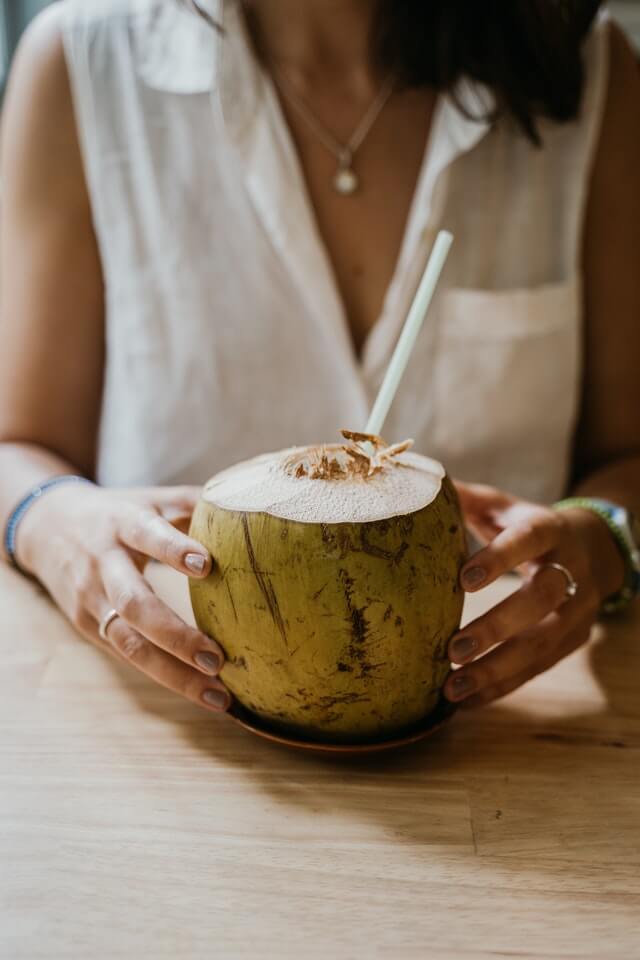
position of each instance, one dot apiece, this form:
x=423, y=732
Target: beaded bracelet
x=19, y=511
x=608, y=513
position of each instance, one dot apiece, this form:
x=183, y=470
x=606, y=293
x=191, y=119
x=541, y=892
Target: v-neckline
x=299, y=186
x=277, y=185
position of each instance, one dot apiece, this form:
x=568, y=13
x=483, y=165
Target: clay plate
x=419, y=731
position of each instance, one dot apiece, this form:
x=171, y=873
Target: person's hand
x=539, y=624
x=88, y=546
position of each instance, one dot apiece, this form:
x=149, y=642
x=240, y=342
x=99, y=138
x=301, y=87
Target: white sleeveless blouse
x=226, y=335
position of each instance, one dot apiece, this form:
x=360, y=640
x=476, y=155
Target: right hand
x=88, y=546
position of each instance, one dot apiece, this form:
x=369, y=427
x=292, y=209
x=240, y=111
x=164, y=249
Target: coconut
x=334, y=588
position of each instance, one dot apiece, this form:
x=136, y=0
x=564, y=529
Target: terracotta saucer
x=419, y=731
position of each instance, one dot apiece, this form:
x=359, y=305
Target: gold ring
x=106, y=622
x=572, y=585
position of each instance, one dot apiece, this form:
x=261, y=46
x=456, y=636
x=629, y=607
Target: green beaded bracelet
x=606, y=511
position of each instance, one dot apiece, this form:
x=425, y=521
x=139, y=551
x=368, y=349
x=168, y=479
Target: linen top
x=225, y=331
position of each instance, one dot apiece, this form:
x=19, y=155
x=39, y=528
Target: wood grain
x=134, y=825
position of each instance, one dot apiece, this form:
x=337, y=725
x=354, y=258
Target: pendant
x=345, y=182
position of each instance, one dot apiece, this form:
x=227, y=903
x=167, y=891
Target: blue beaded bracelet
x=11, y=529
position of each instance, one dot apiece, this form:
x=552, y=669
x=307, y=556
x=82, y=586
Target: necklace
x=345, y=180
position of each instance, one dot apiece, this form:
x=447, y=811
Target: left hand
x=538, y=625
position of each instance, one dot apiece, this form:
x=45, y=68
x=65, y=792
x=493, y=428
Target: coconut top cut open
x=360, y=481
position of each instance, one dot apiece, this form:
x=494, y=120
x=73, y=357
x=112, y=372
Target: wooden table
x=136, y=826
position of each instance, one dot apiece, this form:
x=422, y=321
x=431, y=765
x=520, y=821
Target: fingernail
x=460, y=687
x=195, y=562
x=463, y=647
x=209, y=662
x=473, y=577
x=216, y=698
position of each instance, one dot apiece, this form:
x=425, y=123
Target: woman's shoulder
x=43, y=181
x=157, y=44
x=611, y=65
x=624, y=70
x=100, y=25
x=619, y=140
x=41, y=100
x=43, y=51
x=38, y=83
x=611, y=81
x=102, y=12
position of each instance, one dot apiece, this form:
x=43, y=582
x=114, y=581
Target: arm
x=88, y=546
x=540, y=624
x=51, y=285
x=607, y=451
x=608, y=437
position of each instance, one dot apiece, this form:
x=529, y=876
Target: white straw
x=410, y=331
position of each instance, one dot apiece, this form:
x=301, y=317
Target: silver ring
x=106, y=622
x=572, y=585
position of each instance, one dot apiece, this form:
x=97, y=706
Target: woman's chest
x=223, y=297
x=363, y=231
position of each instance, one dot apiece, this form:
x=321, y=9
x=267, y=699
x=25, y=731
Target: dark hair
x=528, y=52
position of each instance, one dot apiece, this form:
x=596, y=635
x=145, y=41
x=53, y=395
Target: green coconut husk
x=333, y=631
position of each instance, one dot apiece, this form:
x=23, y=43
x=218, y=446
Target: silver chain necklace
x=345, y=180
